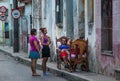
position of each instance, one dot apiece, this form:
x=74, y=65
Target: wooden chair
x=82, y=54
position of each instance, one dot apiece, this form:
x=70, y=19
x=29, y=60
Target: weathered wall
x=75, y=19
x=25, y=26
x=81, y=18
x=69, y=18
x=36, y=14
x=90, y=34
x=78, y=18
x=116, y=32
x=107, y=64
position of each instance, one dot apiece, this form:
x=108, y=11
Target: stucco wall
x=107, y=64
x=90, y=34
x=36, y=14
x=25, y=26
x=116, y=32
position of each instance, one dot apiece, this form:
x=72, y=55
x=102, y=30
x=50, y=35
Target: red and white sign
x=3, y=17
x=3, y=9
x=15, y=13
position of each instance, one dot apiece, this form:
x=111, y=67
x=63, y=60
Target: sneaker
x=45, y=74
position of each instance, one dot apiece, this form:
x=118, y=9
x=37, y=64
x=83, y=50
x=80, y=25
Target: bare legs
x=44, y=61
x=58, y=62
x=33, y=67
x=65, y=60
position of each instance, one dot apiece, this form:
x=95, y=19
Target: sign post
x=3, y=18
x=15, y=13
x=16, y=29
x=3, y=33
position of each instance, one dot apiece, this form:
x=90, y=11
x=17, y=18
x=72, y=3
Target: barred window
x=106, y=31
x=59, y=11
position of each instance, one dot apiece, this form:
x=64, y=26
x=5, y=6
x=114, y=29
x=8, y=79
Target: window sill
x=108, y=53
x=60, y=25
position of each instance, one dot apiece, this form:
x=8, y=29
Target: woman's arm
x=49, y=41
x=36, y=45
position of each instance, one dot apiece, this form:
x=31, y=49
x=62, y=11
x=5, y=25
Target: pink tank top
x=32, y=39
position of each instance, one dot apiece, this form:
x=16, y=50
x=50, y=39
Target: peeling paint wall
x=69, y=18
x=25, y=26
x=116, y=32
x=90, y=34
x=67, y=29
x=81, y=18
x=36, y=14
x=107, y=64
x=75, y=19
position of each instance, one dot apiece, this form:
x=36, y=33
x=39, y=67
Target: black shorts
x=45, y=51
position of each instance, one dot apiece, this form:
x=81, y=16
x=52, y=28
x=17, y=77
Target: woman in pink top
x=34, y=51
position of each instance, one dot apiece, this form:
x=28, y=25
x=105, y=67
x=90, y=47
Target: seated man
x=64, y=53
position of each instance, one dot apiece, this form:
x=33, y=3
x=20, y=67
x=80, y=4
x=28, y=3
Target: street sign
x=15, y=13
x=3, y=9
x=3, y=17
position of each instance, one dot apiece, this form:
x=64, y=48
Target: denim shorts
x=34, y=55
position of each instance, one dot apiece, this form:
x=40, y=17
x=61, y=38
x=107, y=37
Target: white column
x=75, y=18
x=64, y=18
x=86, y=19
x=53, y=45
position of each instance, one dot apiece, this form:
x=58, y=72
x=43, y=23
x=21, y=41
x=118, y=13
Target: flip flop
x=36, y=75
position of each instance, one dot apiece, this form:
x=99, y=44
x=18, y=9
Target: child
x=74, y=56
x=74, y=51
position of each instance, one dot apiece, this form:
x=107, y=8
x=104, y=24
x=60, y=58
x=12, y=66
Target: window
x=106, y=31
x=59, y=12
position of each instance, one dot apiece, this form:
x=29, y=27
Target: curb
x=60, y=73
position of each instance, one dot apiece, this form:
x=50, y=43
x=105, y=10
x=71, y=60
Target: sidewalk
x=75, y=76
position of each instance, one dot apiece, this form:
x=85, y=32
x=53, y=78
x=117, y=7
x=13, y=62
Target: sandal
x=36, y=75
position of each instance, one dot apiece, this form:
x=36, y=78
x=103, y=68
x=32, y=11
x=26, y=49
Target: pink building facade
x=107, y=61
